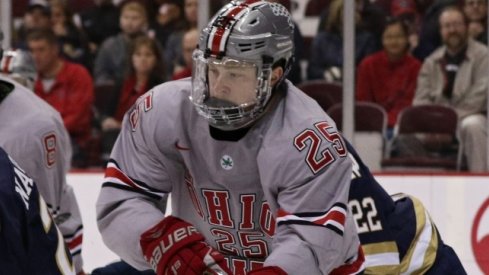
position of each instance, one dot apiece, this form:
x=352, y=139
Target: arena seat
x=436, y=125
x=325, y=93
x=370, y=130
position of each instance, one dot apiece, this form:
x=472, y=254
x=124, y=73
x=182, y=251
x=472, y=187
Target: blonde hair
x=334, y=22
x=335, y=16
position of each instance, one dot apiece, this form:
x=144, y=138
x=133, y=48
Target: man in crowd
x=455, y=75
x=66, y=86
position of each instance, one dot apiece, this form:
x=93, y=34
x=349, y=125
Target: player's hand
x=174, y=246
x=268, y=270
x=333, y=74
x=110, y=123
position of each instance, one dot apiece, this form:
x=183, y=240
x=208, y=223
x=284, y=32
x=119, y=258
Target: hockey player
x=397, y=233
x=245, y=156
x=33, y=133
x=30, y=242
x=211, y=166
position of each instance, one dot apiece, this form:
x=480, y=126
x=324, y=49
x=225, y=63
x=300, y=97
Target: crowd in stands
x=93, y=63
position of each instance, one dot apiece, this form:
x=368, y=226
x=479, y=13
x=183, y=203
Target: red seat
x=370, y=130
x=325, y=93
x=369, y=117
x=432, y=121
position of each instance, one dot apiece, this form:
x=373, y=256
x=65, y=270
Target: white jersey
x=32, y=132
x=287, y=177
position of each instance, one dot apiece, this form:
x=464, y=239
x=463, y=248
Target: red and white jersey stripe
x=114, y=177
x=334, y=218
x=74, y=241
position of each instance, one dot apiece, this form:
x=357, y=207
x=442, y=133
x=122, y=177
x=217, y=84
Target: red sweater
x=182, y=74
x=72, y=96
x=128, y=96
x=390, y=84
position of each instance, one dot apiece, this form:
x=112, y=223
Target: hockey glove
x=268, y=270
x=174, y=246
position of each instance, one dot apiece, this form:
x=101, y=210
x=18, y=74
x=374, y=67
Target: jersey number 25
x=318, y=160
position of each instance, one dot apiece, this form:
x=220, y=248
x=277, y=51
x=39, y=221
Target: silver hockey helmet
x=18, y=65
x=233, y=63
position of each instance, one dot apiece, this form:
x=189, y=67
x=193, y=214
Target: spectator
x=73, y=44
x=389, y=77
x=173, y=48
x=168, y=20
x=409, y=12
x=33, y=133
x=191, y=10
x=373, y=19
x=476, y=12
x=455, y=75
x=66, y=86
x=100, y=23
x=146, y=71
x=111, y=62
x=326, y=59
x=189, y=43
x=429, y=33
x=37, y=16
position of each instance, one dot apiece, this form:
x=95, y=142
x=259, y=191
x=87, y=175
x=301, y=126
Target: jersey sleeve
x=308, y=185
x=136, y=184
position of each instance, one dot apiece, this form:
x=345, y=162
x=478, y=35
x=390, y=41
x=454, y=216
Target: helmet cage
x=252, y=31
x=229, y=117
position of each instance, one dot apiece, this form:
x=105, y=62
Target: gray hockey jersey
x=32, y=132
x=277, y=196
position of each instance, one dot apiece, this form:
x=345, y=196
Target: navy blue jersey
x=30, y=242
x=396, y=232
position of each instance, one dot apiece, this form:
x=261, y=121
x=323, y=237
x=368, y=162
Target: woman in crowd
x=146, y=71
x=326, y=57
x=388, y=77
